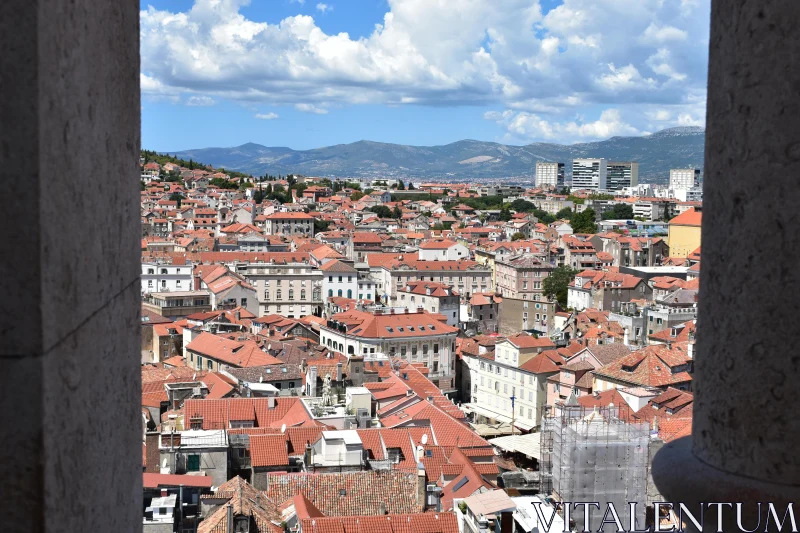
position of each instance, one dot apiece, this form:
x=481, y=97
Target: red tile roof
x=234, y=353
x=393, y=523
x=217, y=414
x=350, y=493
x=153, y=481
x=690, y=217
x=269, y=450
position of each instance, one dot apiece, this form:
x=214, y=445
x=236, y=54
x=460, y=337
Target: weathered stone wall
x=69, y=319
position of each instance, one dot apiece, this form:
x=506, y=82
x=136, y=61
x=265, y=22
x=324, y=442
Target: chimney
x=339, y=371
x=311, y=381
x=383, y=509
x=690, y=350
x=230, y=517
x=669, y=345
x=626, y=338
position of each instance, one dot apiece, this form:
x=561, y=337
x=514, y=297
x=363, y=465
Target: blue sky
x=309, y=74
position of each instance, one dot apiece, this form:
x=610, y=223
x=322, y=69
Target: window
x=424, y=349
x=435, y=348
x=302, y=294
x=395, y=454
x=330, y=292
x=209, y=364
x=151, y=271
x=291, y=294
x=192, y=463
x=339, y=292
x=244, y=302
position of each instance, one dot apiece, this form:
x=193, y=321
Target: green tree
x=557, y=283
x=321, y=225
x=356, y=196
x=618, y=211
x=583, y=222
x=400, y=185
x=396, y=213
x=522, y=206
x=176, y=197
x=222, y=183
x=564, y=213
x=411, y=186
x=382, y=211
x=291, y=180
x=518, y=236
x=505, y=214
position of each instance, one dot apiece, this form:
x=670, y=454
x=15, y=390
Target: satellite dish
x=425, y=439
x=283, y=428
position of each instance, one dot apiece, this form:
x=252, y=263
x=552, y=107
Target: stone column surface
x=747, y=366
x=70, y=458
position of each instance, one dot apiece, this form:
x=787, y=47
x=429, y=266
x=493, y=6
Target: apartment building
x=589, y=174
x=431, y=297
x=285, y=283
x=464, y=276
x=513, y=385
x=684, y=178
x=605, y=291
x=381, y=333
x=164, y=277
x=549, y=174
x=289, y=223
x=521, y=276
x=621, y=174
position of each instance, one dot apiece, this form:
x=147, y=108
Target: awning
x=477, y=409
x=528, y=445
x=483, y=411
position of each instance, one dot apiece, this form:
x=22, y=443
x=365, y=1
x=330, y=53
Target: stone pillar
x=71, y=426
x=747, y=369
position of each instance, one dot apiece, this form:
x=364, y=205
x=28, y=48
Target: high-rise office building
x=589, y=174
x=684, y=178
x=549, y=174
x=621, y=174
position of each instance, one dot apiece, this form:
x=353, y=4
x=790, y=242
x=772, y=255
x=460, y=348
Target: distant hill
x=459, y=161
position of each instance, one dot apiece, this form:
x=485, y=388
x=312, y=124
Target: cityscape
x=415, y=351
x=400, y=266
x=410, y=332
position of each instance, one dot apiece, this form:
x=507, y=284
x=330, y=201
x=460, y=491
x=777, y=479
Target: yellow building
x=684, y=233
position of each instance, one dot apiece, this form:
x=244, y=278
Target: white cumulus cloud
x=581, y=55
x=266, y=116
x=310, y=108
x=200, y=101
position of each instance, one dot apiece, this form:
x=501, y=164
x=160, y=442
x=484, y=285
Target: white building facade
x=166, y=277
x=589, y=174
x=684, y=178
x=549, y=174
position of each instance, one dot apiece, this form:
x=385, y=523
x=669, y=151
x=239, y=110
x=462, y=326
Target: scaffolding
x=595, y=455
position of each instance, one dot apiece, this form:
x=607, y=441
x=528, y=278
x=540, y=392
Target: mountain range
x=465, y=160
